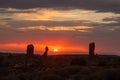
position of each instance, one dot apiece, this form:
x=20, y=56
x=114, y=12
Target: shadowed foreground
x=61, y=67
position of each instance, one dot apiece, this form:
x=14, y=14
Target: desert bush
x=79, y=61
x=77, y=77
x=85, y=74
x=4, y=71
x=9, y=77
x=3, y=62
x=63, y=72
x=73, y=69
x=20, y=68
x=112, y=74
x=116, y=62
x=67, y=71
x=48, y=77
x=102, y=63
x=23, y=76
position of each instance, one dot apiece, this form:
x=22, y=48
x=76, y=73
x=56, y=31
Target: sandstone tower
x=91, y=49
x=30, y=50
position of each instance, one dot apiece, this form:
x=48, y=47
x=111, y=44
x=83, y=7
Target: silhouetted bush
x=59, y=68
x=3, y=62
x=23, y=68
x=4, y=71
x=79, y=61
x=112, y=74
x=9, y=77
x=67, y=71
x=49, y=77
x=117, y=62
x=102, y=63
x=104, y=75
x=76, y=77
x=23, y=77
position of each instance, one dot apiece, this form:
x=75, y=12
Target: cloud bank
x=97, y=5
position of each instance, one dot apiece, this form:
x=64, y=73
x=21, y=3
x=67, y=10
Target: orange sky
x=62, y=47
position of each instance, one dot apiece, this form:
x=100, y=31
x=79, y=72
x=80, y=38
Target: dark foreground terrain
x=62, y=67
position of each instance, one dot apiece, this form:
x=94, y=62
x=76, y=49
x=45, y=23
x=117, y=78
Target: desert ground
x=59, y=67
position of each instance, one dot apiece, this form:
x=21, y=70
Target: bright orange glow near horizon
x=40, y=48
x=56, y=47
x=53, y=49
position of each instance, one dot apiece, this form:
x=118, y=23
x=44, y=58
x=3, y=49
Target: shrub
x=49, y=77
x=79, y=61
x=3, y=62
x=102, y=63
x=112, y=75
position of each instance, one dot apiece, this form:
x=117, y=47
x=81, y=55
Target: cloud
x=46, y=14
x=80, y=26
x=56, y=15
x=57, y=28
x=114, y=23
x=6, y=19
x=27, y=23
x=115, y=19
x=97, y=5
x=13, y=10
x=76, y=25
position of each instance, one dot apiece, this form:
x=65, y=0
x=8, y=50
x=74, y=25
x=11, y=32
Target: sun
x=55, y=50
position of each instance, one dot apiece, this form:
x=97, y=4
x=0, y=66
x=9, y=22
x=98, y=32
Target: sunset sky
x=66, y=25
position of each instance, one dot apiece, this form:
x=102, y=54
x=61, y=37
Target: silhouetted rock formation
x=30, y=50
x=46, y=51
x=91, y=49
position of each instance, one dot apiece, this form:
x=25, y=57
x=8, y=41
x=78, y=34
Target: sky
x=66, y=25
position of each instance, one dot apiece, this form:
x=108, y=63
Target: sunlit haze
x=55, y=50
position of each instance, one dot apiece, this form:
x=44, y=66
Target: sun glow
x=55, y=50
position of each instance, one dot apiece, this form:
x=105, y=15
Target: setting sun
x=55, y=50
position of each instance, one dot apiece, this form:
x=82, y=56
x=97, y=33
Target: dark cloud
x=97, y=27
x=114, y=22
x=116, y=19
x=6, y=19
x=27, y=23
x=4, y=10
x=98, y=5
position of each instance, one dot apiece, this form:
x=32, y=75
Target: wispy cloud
x=13, y=10
x=58, y=28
